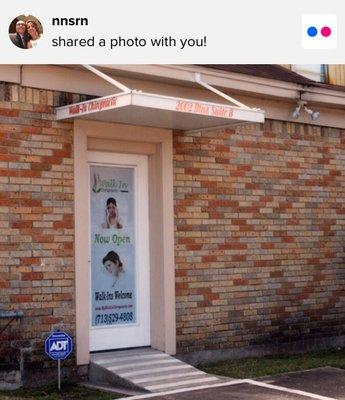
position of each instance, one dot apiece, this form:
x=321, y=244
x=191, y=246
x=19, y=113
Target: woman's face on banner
x=112, y=210
x=112, y=267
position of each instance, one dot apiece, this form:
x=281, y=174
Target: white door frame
x=157, y=145
x=137, y=334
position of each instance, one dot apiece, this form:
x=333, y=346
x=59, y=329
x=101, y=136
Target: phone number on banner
x=113, y=318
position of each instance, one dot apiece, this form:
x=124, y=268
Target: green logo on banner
x=96, y=188
x=108, y=185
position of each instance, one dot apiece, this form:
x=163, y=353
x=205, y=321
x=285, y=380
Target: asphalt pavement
x=319, y=383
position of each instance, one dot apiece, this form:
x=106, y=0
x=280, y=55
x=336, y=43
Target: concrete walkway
x=148, y=370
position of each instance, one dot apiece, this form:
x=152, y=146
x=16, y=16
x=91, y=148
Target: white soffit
x=147, y=109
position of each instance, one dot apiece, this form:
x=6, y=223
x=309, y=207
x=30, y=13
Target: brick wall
x=259, y=231
x=260, y=214
x=36, y=223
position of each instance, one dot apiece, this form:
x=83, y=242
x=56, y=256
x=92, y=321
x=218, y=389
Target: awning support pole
x=107, y=78
x=216, y=91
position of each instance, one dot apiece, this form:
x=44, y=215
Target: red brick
x=20, y=298
x=32, y=276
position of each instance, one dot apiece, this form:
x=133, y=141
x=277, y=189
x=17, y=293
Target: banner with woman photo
x=113, y=269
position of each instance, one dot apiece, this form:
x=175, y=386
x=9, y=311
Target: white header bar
x=178, y=32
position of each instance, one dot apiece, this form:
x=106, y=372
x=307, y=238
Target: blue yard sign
x=58, y=345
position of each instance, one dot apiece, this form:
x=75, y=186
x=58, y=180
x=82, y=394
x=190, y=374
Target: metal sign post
x=59, y=374
x=58, y=346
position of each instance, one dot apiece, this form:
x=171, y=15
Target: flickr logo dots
x=312, y=31
x=325, y=31
x=319, y=31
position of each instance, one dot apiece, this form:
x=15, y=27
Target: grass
x=68, y=392
x=272, y=365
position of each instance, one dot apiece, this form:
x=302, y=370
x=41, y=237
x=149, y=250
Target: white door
x=119, y=251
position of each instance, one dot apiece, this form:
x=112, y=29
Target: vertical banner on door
x=113, y=268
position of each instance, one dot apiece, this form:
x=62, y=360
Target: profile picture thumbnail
x=25, y=31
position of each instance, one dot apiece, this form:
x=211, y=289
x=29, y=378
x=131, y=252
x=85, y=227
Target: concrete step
x=146, y=370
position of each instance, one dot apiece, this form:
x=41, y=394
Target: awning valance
x=147, y=109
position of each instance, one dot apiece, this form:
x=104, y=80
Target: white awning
x=147, y=109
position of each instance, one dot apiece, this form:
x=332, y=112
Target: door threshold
x=123, y=348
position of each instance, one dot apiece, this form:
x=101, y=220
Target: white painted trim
x=237, y=103
x=191, y=389
x=107, y=78
x=287, y=390
x=74, y=79
x=167, y=232
x=245, y=83
x=231, y=383
x=131, y=364
x=208, y=378
x=153, y=370
x=81, y=224
x=277, y=98
x=168, y=376
x=176, y=105
x=110, y=360
x=10, y=73
x=157, y=145
x=186, y=73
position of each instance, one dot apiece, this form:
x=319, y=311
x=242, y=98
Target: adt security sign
x=58, y=345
